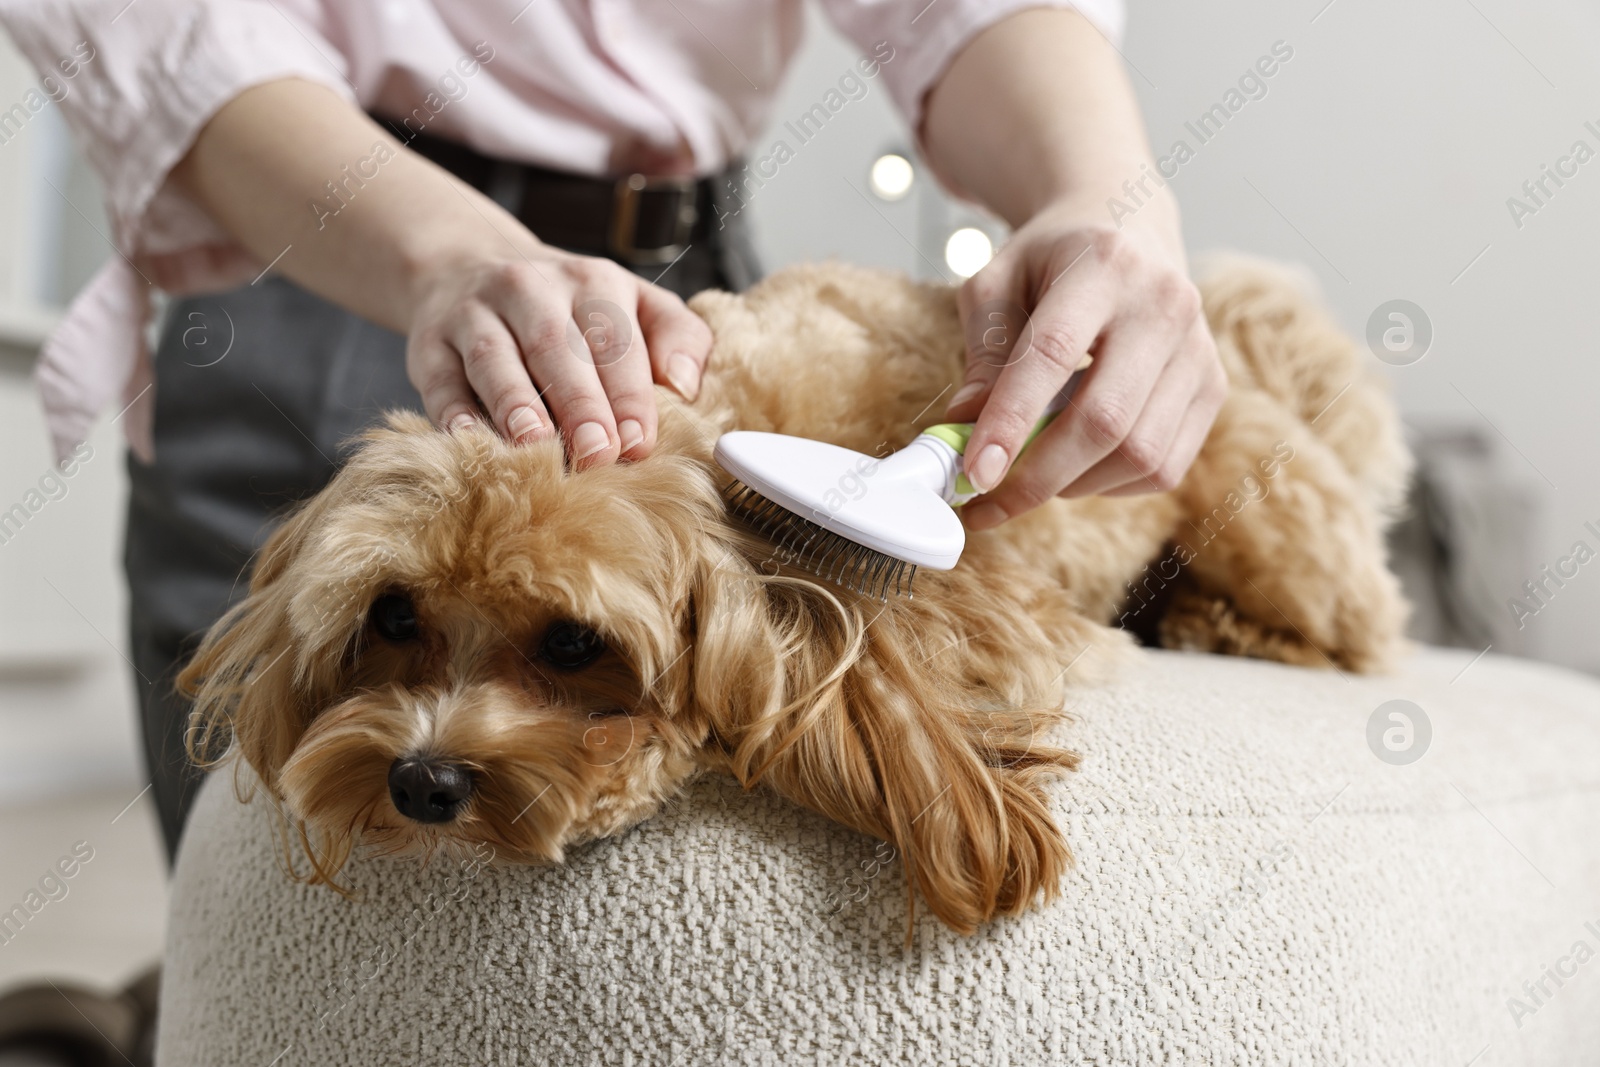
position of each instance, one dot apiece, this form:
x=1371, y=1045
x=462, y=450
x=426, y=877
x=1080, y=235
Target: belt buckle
x=625, y=218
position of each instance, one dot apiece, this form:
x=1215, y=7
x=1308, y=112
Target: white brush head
x=893, y=506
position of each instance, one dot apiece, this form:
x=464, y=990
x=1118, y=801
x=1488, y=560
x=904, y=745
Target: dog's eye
x=394, y=617
x=570, y=646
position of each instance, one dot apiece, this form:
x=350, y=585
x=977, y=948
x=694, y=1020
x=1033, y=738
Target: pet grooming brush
x=860, y=521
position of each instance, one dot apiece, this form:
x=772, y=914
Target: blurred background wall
x=1380, y=157
x=65, y=698
x=69, y=773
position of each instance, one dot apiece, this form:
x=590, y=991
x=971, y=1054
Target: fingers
x=678, y=341
x=1068, y=319
x=1186, y=446
x=436, y=370
x=587, y=356
x=1163, y=444
x=997, y=330
x=605, y=334
x=1140, y=458
x=490, y=362
x=546, y=334
x=566, y=346
x=1190, y=438
x=1144, y=404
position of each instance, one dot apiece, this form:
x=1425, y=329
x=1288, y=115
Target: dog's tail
x=1274, y=334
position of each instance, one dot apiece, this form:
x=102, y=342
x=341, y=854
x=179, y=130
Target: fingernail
x=985, y=471
x=684, y=374
x=588, y=439
x=964, y=394
x=631, y=433
x=522, y=422
x=461, y=422
x=981, y=516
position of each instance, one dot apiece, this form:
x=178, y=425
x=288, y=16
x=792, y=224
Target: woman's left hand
x=1067, y=285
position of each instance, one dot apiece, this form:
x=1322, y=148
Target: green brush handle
x=958, y=434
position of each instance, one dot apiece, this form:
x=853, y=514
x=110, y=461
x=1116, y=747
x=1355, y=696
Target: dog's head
x=462, y=642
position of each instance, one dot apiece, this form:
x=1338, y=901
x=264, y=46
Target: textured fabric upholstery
x=1253, y=886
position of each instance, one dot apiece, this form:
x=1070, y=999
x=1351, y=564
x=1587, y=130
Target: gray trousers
x=258, y=392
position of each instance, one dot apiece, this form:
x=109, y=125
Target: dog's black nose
x=426, y=790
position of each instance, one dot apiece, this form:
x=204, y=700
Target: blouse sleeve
x=923, y=36
x=137, y=80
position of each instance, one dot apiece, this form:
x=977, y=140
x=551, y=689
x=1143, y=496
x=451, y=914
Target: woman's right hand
x=536, y=338
x=540, y=339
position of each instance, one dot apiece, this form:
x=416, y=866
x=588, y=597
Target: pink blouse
x=590, y=86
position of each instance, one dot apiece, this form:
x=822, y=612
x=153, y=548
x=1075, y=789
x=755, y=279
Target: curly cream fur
x=921, y=722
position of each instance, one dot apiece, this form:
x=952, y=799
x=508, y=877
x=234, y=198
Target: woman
x=412, y=202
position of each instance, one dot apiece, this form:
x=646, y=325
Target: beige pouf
x=1254, y=886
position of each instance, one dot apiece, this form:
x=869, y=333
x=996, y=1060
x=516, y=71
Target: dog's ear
x=844, y=710
x=264, y=669
x=254, y=678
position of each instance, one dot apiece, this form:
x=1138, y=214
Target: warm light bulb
x=891, y=176
x=967, y=250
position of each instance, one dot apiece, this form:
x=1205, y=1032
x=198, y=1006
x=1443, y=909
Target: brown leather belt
x=636, y=218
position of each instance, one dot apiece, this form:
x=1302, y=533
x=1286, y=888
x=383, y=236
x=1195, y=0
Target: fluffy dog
x=462, y=642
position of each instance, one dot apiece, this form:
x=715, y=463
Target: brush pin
x=802, y=543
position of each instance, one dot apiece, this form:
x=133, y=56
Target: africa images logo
x=1252, y=85
x=1538, y=191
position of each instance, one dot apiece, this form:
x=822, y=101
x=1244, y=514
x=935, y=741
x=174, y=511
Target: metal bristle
x=801, y=543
